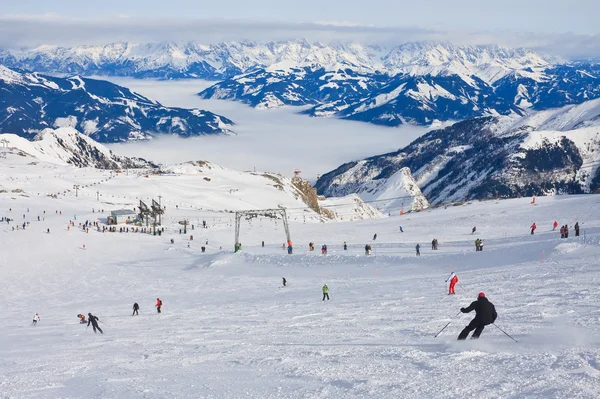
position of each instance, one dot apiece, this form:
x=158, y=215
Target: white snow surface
x=228, y=330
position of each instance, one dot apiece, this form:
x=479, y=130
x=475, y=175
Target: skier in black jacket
x=135, y=309
x=94, y=320
x=485, y=315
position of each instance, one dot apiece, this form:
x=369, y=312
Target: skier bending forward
x=485, y=314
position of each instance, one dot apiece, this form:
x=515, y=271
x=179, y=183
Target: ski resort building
x=122, y=216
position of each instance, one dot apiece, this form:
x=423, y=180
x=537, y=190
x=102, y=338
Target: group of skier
x=93, y=320
x=478, y=245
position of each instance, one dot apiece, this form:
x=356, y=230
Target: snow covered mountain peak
x=226, y=59
x=64, y=146
x=487, y=62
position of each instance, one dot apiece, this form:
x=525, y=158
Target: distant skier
x=418, y=249
x=36, y=318
x=345, y=246
x=263, y=244
x=485, y=315
x=136, y=307
x=325, y=292
x=324, y=249
x=453, y=280
x=577, y=229
x=374, y=237
x=533, y=227
x=94, y=321
x=81, y=318
x=562, y=231
x=474, y=230
x=401, y=231
x=566, y=231
x=284, y=281
x=555, y=225
x=158, y=305
x=368, y=249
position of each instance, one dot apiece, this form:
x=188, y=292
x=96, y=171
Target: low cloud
x=31, y=31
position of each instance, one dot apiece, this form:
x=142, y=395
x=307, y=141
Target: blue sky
x=518, y=15
x=556, y=26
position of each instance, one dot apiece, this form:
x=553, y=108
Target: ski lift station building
x=122, y=216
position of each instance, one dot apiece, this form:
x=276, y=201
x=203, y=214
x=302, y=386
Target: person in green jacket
x=325, y=292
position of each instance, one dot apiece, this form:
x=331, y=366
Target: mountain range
x=416, y=83
x=172, y=60
x=549, y=152
x=31, y=102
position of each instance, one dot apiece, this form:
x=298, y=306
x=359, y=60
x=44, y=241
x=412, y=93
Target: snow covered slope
x=30, y=102
x=65, y=146
x=64, y=158
x=227, y=329
x=392, y=194
x=549, y=152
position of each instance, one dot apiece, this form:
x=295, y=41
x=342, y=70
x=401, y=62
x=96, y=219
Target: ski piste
x=224, y=320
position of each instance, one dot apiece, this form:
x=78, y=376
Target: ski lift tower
x=278, y=213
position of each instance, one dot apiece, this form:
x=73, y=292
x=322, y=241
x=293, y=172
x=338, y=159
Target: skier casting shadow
x=485, y=315
x=94, y=320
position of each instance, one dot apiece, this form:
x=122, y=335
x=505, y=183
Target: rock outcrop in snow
x=67, y=146
x=399, y=191
x=549, y=152
x=263, y=190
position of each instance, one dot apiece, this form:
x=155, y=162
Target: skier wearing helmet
x=485, y=314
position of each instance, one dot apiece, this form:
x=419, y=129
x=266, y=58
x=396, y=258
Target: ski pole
x=506, y=333
x=104, y=323
x=447, y=325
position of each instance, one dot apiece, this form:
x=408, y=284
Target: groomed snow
x=229, y=331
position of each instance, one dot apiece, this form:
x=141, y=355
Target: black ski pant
x=135, y=312
x=95, y=327
x=158, y=309
x=576, y=233
x=325, y=295
x=473, y=325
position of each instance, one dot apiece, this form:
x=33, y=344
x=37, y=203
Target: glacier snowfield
x=228, y=329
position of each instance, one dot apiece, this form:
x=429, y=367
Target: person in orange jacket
x=453, y=280
x=158, y=304
x=533, y=227
x=555, y=225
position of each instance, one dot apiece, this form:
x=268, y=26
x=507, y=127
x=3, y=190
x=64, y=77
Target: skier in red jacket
x=533, y=227
x=158, y=304
x=453, y=280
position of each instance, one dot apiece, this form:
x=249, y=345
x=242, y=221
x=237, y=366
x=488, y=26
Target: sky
x=554, y=26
